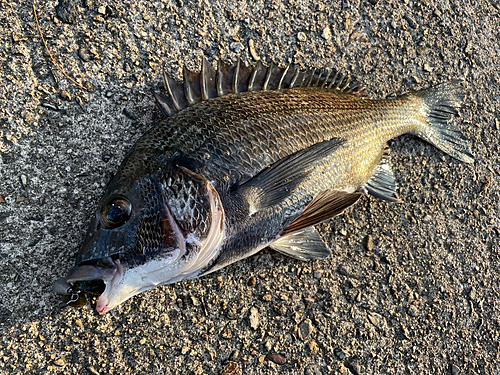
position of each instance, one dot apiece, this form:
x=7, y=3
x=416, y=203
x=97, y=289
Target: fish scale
x=248, y=158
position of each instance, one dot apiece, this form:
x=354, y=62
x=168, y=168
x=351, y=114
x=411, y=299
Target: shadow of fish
x=247, y=158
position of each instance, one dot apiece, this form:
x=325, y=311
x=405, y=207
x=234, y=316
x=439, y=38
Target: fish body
x=249, y=158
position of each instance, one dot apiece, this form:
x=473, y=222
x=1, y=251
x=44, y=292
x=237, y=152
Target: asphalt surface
x=410, y=288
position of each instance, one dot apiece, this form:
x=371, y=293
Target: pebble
x=84, y=54
x=341, y=354
x=251, y=281
x=236, y=47
x=313, y=348
x=327, y=33
x=230, y=368
x=413, y=311
x=375, y=319
x=318, y=274
x=92, y=370
x=65, y=95
x=369, y=242
x=253, y=51
x=60, y=362
x=454, y=370
x=301, y=36
x=305, y=329
x=66, y=11
x=267, y=297
x=427, y=219
x=24, y=180
x=276, y=358
x=312, y=369
x=254, y=318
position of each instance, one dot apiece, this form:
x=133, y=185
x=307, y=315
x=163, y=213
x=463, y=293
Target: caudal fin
x=440, y=105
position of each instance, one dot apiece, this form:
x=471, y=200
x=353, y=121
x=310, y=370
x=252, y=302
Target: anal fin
x=304, y=244
x=382, y=184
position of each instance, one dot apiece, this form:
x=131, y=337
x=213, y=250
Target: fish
x=243, y=158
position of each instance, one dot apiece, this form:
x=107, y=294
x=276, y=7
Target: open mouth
x=88, y=278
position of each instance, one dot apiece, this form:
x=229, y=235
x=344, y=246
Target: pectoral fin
x=304, y=244
x=324, y=206
x=275, y=183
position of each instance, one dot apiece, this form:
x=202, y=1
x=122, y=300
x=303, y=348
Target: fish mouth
x=88, y=277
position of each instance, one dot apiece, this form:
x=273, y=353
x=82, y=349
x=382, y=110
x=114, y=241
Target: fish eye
x=115, y=212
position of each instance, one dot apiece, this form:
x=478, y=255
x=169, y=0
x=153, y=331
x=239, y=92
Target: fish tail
x=441, y=104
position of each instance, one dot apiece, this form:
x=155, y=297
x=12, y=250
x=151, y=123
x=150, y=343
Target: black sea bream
x=247, y=158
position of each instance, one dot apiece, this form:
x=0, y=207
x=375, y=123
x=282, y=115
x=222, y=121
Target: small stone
x=253, y=51
x=102, y=10
x=60, y=362
x=195, y=301
x=268, y=345
x=454, y=370
x=376, y=266
x=106, y=157
x=413, y=311
x=254, y=318
x=312, y=369
x=305, y=329
x=327, y=33
x=427, y=68
x=376, y=319
x=230, y=368
x=472, y=293
x=227, y=333
x=267, y=297
x=427, y=219
x=20, y=198
x=341, y=354
x=313, y=348
x=66, y=11
x=24, y=180
x=343, y=232
x=276, y=358
x=251, y=281
x=92, y=370
x=369, y=242
x=184, y=350
x=65, y=96
x=301, y=36
x=236, y=47
x=318, y=274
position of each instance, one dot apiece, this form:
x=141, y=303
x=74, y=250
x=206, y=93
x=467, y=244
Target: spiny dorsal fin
x=210, y=83
x=382, y=184
x=304, y=244
x=324, y=206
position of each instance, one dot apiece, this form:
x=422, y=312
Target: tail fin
x=440, y=105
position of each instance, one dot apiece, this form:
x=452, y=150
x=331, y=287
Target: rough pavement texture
x=409, y=289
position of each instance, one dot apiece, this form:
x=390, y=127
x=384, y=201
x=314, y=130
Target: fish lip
x=104, y=302
x=86, y=272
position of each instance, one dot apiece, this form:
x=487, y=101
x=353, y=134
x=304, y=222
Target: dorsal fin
x=226, y=79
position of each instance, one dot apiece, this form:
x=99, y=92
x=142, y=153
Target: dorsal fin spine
x=203, y=79
x=282, y=77
x=188, y=91
x=295, y=76
x=220, y=92
x=168, y=85
x=236, y=74
x=268, y=76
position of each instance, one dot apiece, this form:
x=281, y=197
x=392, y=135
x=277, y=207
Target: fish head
x=157, y=229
